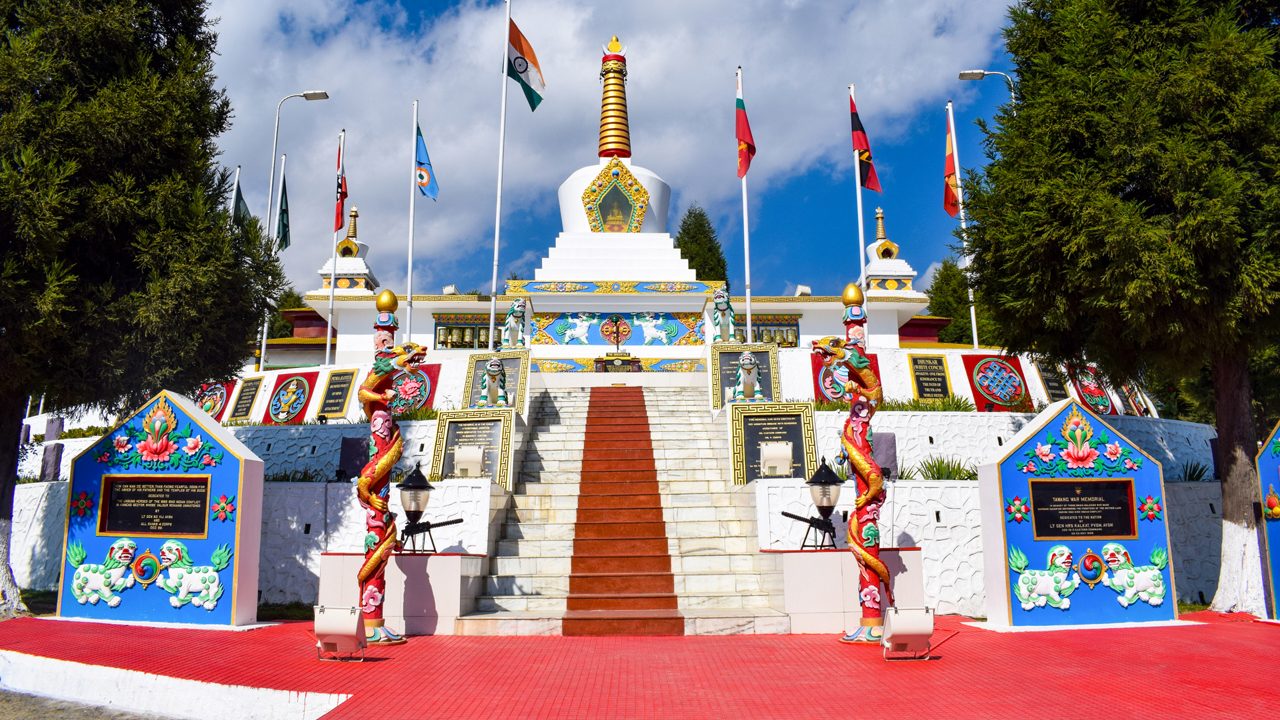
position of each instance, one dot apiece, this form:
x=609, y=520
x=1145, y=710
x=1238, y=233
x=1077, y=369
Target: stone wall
x=978, y=438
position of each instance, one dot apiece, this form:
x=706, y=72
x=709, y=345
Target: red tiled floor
x=1222, y=669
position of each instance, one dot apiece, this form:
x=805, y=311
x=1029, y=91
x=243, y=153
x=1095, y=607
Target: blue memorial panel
x=1269, y=481
x=1086, y=540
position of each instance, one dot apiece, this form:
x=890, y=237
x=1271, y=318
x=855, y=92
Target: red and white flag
x=341, y=192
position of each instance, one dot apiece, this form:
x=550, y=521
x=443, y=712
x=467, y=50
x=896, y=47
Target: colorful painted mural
x=998, y=383
x=289, y=398
x=589, y=328
x=560, y=365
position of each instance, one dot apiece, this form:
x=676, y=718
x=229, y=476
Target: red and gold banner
x=289, y=398
x=1090, y=389
x=998, y=383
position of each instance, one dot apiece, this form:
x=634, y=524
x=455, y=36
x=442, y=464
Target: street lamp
x=415, y=493
x=271, y=183
x=824, y=488
x=980, y=74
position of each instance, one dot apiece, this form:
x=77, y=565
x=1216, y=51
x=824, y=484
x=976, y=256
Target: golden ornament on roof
x=852, y=295
x=387, y=301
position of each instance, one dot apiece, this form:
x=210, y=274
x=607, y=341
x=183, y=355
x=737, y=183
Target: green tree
x=290, y=299
x=121, y=270
x=699, y=245
x=949, y=297
x=1130, y=212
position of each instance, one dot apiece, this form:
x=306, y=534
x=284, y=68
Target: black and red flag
x=340, y=194
x=863, y=148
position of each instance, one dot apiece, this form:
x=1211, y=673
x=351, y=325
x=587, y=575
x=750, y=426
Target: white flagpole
x=413, y=201
x=862, y=233
x=746, y=236
x=236, y=186
x=275, y=250
x=333, y=264
x=964, y=237
x=502, y=141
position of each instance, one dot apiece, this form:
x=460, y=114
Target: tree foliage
x=949, y=297
x=1130, y=212
x=699, y=245
x=290, y=299
x=121, y=271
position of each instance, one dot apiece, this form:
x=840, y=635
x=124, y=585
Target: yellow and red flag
x=746, y=143
x=862, y=147
x=951, y=176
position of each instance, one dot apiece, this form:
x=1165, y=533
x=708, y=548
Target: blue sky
x=376, y=57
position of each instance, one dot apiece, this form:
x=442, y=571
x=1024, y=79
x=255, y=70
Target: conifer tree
x=949, y=297
x=1130, y=212
x=121, y=270
x=699, y=245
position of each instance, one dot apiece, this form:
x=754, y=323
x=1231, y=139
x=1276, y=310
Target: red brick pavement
x=1221, y=669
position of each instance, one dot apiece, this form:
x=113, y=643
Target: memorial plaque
x=929, y=377
x=1083, y=509
x=483, y=433
x=490, y=429
x=164, y=520
x=516, y=365
x=154, y=505
x=1052, y=379
x=751, y=424
x=1268, y=466
x=1074, y=527
x=336, y=393
x=724, y=370
x=244, y=401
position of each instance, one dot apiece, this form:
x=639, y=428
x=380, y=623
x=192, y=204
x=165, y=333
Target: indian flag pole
x=520, y=63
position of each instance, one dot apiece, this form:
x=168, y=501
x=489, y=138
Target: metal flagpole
x=413, y=201
x=275, y=250
x=502, y=141
x=964, y=239
x=746, y=236
x=333, y=264
x=862, y=232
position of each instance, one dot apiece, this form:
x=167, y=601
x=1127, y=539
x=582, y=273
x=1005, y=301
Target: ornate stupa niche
x=614, y=195
x=885, y=270
x=352, y=275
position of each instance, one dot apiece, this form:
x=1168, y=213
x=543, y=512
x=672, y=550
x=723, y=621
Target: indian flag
x=522, y=66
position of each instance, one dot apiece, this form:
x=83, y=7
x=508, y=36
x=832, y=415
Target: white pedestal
x=820, y=587
x=425, y=593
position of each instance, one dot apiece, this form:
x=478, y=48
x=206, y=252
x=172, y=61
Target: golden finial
x=615, y=132
x=347, y=247
x=387, y=300
x=880, y=233
x=852, y=295
x=351, y=226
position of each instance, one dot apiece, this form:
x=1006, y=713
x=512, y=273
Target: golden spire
x=880, y=234
x=884, y=247
x=615, y=133
x=348, y=247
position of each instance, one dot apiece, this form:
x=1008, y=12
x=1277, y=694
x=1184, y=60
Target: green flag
x=239, y=208
x=282, y=226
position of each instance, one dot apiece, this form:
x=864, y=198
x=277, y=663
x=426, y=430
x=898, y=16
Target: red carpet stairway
x=621, y=581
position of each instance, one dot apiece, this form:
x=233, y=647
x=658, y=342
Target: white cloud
x=926, y=278
x=798, y=58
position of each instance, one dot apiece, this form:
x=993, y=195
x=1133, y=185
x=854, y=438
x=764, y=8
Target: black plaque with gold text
x=244, y=401
x=485, y=433
x=1083, y=509
x=175, y=506
x=1052, y=379
x=757, y=429
x=336, y=392
x=929, y=377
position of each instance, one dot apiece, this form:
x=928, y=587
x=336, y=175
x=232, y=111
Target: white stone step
x=526, y=566
x=535, y=548
x=505, y=623
x=537, y=531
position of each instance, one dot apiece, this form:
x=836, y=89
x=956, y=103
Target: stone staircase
x=722, y=583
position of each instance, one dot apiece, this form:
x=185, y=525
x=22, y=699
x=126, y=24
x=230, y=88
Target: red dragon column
x=863, y=390
x=385, y=445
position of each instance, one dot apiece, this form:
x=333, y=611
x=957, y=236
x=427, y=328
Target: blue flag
x=425, y=176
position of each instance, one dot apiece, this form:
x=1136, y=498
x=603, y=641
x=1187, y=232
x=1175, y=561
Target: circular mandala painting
x=212, y=398
x=413, y=389
x=999, y=382
x=831, y=382
x=290, y=399
x=1091, y=390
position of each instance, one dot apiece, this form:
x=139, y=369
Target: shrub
x=939, y=468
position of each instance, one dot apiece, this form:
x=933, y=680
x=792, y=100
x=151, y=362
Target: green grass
x=950, y=403
x=1190, y=607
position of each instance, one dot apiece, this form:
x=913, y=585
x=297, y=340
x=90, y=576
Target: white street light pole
x=271, y=183
x=980, y=74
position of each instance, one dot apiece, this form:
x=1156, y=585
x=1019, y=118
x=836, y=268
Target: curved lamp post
x=980, y=74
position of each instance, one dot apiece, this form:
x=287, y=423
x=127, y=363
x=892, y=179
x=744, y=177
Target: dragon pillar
x=865, y=394
x=385, y=445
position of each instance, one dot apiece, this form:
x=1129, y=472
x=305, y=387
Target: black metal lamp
x=415, y=493
x=824, y=488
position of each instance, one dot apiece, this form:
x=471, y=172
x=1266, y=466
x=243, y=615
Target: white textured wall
x=978, y=438
x=39, y=525
x=943, y=518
